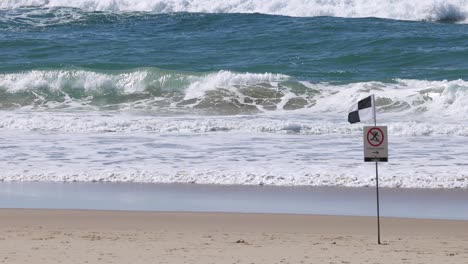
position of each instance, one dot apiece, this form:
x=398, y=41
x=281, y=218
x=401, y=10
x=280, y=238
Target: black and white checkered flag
x=364, y=110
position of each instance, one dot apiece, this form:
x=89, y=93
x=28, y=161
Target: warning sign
x=375, y=143
x=375, y=136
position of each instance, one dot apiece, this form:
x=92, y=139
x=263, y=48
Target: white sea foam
x=413, y=99
x=345, y=178
x=435, y=10
x=308, y=124
x=230, y=158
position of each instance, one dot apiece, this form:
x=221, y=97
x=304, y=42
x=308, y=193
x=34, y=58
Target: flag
x=364, y=110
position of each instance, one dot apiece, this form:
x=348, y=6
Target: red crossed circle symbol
x=375, y=136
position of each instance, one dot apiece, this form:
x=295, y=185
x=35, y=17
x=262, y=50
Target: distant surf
x=434, y=10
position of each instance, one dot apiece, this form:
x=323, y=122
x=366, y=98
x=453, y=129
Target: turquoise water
x=315, y=49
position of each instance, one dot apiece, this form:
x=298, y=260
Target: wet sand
x=394, y=202
x=87, y=236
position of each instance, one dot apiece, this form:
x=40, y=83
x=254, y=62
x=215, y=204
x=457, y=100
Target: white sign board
x=375, y=143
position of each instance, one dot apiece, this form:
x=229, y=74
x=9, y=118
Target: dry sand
x=66, y=236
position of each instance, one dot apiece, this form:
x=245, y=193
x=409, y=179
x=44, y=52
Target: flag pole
x=377, y=179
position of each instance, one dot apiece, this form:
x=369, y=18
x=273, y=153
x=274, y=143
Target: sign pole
x=378, y=205
x=377, y=181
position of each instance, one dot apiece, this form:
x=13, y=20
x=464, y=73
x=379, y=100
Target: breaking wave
x=150, y=88
x=223, y=92
x=435, y=10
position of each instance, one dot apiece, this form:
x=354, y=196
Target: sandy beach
x=232, y=132
x=80, y=236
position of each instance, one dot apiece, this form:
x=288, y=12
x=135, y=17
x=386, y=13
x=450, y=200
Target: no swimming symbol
x=375, y=137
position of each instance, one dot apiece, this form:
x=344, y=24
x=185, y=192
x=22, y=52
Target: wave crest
x=151, y=88
x=435, y=10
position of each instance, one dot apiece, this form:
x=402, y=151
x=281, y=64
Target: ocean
x=243, y=92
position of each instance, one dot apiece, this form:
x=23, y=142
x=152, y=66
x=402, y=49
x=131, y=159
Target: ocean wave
x=150, y=88
x=435, y=10
x=224, y=92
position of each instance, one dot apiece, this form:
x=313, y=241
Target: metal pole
x=377, y=178
x=378, y=205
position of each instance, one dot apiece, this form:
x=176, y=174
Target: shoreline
x=80, y=236
x=406, y=203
